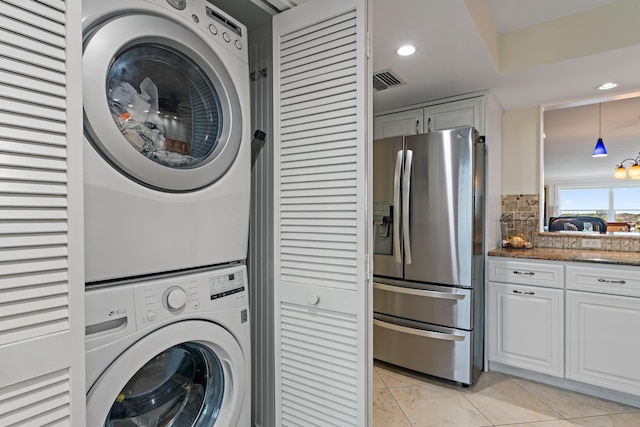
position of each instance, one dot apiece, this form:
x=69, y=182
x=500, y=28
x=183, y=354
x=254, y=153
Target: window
x=613, y=204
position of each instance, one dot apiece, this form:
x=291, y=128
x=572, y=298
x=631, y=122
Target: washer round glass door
x=159, y=104
x=186, y=374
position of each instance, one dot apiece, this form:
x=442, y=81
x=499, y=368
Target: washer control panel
x=215, y=23
x=168, y=298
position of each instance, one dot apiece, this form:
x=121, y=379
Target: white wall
x=521, y=151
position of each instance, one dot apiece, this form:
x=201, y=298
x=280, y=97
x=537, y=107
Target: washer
x=166, y=137
x=174, y=351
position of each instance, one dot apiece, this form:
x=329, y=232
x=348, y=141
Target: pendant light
x=599, y=150
x=634, y=170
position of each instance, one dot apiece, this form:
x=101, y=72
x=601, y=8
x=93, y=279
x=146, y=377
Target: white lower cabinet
x=526, y=327
x=575, y=321
x=602, y=327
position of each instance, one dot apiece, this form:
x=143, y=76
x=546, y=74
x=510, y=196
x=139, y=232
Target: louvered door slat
x=33, y=71
x=48, y=278
x=36, y=188
x=28, y=30
x=311, y=119
x=31, y=44
x=345, y=152
x=32, y=162
x=313, y=111
x=319, y=142
x=26, y=201
x=328, y=28
x=312, y=98
x=41, y=334
x=36, y=14
x=33, y=150
x=340, y=60
x=18, y=86
x=17, y=107
x=43, y=60
x=28, y=135
x=31, y=175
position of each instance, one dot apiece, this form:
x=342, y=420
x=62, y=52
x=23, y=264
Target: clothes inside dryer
x=181, y=386
x=164, y=105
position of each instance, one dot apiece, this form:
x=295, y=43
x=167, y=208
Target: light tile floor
x=403, y=398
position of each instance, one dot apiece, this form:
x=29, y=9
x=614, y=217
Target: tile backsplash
x=527, y=206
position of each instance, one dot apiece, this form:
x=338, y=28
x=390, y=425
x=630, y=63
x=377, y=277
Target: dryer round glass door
x=160, y=105
x=175, y=387
x=190, y=373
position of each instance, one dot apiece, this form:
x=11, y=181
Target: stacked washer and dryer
x=167, y=176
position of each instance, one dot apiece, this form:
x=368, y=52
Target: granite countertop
x=573, y=255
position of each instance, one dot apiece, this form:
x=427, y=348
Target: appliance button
x=213, y=29
x=226, y=37
x=151, y=316
x=238, y=44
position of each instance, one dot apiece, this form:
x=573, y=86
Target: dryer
x=166, y=137
x=173, y=351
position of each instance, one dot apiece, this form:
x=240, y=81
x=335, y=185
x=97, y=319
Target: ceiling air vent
x=385, y=79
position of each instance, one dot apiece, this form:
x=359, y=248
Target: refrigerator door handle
x=396, y=208
x=406, y=191
x=418, y=332
x=418, y=292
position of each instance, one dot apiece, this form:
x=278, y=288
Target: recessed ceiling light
x=605, y=86
x=406, y=50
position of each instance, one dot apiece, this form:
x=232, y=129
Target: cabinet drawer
x=526, y=273
x=615, y=281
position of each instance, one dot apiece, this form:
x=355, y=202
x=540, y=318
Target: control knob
x=175, y=298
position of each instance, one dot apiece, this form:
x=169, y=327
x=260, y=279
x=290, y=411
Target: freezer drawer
x=441, y=352
x=440, y=305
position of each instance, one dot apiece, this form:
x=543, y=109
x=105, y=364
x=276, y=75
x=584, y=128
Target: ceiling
x=453, y=58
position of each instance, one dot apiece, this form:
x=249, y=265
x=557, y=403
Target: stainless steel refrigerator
x=429, y=211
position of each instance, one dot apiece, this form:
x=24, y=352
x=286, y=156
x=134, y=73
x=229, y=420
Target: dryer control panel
x=202, y=292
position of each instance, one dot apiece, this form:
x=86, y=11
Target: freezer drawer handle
x=418, y=332
x=616, y=282
x=524, y=293
x=418, y=292
x=526, y=273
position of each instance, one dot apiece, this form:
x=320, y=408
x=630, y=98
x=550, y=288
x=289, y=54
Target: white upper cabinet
x=396, y=124
x=466, y=112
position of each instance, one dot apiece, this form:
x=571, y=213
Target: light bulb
x=620, y=172
x=634, y=171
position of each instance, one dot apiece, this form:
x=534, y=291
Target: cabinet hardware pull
x=429, y=125
x=526, y=273
x=529, y=293
x=516, y=292
x=525, y=293
x=617, y=282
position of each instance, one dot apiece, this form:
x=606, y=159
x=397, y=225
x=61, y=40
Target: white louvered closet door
x=41, y=226
x=322, y=149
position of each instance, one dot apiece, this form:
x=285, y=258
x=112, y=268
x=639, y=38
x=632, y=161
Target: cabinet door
x=602, y=340
x=525, y=326
x=396, y=124
x=467, y=112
